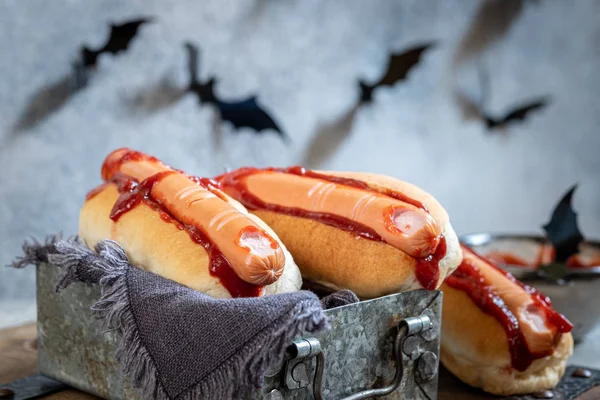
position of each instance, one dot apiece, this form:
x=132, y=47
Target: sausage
x=255, y=256
x=499, y=334
x=372, y=234
x=398, y=223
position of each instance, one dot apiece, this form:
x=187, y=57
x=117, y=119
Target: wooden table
x=18, y=359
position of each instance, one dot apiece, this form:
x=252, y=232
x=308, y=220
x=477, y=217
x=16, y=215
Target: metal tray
x=385, y=347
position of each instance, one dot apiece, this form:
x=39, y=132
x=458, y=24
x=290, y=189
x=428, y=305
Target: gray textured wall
x=302, y=57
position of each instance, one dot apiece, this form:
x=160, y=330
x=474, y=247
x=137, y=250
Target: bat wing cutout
x=562, y=230
x=120, y=37
x=51, y=98
x=246, y=113
x=520, y=113
x=398, y=67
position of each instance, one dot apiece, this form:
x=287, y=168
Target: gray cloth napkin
x=178, y=343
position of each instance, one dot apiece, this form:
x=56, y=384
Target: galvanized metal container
x=383, y=347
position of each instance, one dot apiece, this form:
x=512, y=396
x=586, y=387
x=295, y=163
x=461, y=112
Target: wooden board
x=18, y=354
x=18, y=359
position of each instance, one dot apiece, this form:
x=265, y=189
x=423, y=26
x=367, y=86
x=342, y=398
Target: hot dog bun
x=338, y=258
x=160, y=241
x=474, y=341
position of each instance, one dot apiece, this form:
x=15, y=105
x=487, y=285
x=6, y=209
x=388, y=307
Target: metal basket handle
x=407, y=327
x=297, y=374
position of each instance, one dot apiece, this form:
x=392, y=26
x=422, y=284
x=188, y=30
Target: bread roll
x=186, y=230
x=371, y=234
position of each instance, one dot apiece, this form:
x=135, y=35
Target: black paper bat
x=119, y=39
x=51, y=97
x=519, y=113
x=331, y=135
x=472, y=110
x=562, y=230
x=244, y=113
x=398, y=67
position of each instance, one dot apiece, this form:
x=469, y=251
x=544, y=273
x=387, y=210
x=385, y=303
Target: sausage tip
x=265, y=260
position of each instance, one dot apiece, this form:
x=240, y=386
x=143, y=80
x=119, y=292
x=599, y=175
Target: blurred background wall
x=302, y=58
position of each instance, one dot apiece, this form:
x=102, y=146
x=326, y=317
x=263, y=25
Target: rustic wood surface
x=18, y=359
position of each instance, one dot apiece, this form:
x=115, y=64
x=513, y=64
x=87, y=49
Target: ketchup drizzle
x=427, y=269
x=112, y=165
x=506, y=258
x=469, y=279
x=301, y=171
x=132, y=193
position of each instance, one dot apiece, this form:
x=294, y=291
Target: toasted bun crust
x=160, y=247
x=474, y=347
x=338, y=260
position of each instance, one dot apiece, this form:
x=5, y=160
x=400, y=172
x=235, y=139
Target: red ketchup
x=575, y=261
x=427, y=269
x=546, y=255
x=506, y=258
x=132, y=193
x=470, y=280
x=112, y=165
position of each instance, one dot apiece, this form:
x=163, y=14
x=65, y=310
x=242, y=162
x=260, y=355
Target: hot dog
x=498, y=334
x=369, y=233
x=185, y=229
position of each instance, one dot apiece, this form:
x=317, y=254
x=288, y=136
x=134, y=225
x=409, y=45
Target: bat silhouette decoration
x=330, y=136
x=519, y=113
x=50, y=98
x=398, y=67
x=471, y=110
x=476, y=110
x=562, y=230
x=120, y=37
x=244, y=113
